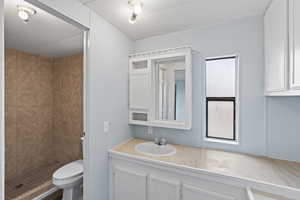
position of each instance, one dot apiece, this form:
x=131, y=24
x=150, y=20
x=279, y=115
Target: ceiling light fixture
x=132, y=19
x=136, y=7
x=25, y=12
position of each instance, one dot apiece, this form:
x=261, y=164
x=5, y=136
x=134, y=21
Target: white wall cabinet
x=139, y=91
x=294, y=13
x=160, y=88
x=282, y=43
x=276, y=49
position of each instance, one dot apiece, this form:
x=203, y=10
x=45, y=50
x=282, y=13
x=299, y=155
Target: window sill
x=220, y=141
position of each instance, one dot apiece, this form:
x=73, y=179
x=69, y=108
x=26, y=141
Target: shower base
x=31, y=185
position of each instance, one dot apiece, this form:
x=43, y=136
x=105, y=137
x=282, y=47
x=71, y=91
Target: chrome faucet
x=161, y=141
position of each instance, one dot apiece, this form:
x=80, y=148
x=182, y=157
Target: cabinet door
x=276, y=46
x=163, y=189
x=295, y=44
x=194, y=193
x=129, y=185
x=139, y=91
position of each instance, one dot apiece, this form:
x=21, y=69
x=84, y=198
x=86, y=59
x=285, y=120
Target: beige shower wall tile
x=10, y=77
x=68, y=105
x=10, y=97
x=34, y=98
x=35, y=79
x=10, y=142
x=29, y=116
x=10, y=113
x=27, y=140
x=27, y=71
x=44, y=111
x=10, y=68
x=35, y=137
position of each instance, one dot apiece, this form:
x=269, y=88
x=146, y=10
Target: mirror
x=170, y=89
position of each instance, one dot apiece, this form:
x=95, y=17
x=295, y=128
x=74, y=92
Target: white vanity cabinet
x=196, y=193
x=129, y=185
x=135, y=178
x=258, y=195
x=135, y=181
x=161, y=188
x=282, y=43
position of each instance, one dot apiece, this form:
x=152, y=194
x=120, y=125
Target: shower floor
x=31, y=184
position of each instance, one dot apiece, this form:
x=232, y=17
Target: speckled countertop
x=262, y=169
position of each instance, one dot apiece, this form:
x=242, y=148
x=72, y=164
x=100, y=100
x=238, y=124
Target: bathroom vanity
x=199, y=174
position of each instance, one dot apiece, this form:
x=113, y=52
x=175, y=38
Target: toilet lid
x=70, y=170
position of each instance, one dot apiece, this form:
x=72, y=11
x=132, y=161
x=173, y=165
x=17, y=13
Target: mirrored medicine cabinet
x=160, y=88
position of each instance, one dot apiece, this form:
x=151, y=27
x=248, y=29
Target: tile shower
x=44, y=119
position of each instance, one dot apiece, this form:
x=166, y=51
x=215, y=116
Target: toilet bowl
x=69, y=178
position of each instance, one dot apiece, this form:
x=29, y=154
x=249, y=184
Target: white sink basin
x=154, y=150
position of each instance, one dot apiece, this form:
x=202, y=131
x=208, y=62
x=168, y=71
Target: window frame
x=222, y=99
x=236, y=136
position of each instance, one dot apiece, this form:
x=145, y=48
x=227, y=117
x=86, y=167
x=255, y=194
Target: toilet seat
x=69, y=174
x=70, y=170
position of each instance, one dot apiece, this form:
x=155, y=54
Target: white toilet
x=69, y=178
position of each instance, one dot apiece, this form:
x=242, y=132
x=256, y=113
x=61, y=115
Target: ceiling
x=165, y=16
x=44, y=34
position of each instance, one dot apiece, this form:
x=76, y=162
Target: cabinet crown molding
x=160, y=52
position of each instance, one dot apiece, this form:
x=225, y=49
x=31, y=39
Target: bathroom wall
x=29, y=112
x=268, y=125
x=68, y=107
x=243, y=37
x=44, y=116
x=107, y=100
x=283, y=127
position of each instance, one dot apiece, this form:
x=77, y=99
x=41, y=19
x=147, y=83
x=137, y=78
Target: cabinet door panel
x=129, y=185
x=162, y=189
x=195, y=193
x=295, y=43
x=139, y=91
x=276, y=46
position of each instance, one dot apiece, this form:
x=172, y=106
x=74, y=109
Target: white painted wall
x=283, y=127
x=245, y=38
x=107, y=99
x=2, y=100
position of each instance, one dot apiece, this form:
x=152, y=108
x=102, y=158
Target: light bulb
x=23, y=15
x=137, y=8
x=25, y=12
x=133, y=18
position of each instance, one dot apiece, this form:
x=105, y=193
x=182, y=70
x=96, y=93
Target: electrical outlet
x=106, y=126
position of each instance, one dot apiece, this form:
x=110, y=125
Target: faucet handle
x=163, y=141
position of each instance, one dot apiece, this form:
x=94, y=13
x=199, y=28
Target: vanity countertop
x=263, y=169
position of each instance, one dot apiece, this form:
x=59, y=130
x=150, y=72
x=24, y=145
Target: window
x=221, y=98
